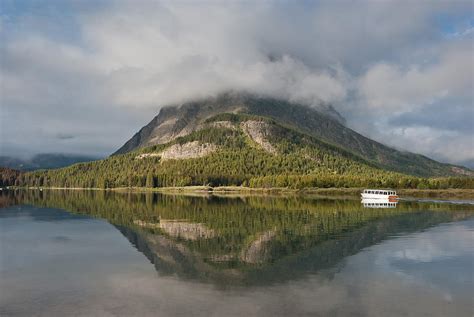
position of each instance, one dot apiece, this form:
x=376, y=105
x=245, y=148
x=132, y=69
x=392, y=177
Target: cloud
x=100, y=71
x=426, y=107
x=389, y=87
x=62, y=136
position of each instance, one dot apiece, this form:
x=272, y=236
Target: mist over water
x=104, y=253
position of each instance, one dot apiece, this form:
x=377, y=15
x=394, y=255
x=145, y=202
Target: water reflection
x=245, y=240
x=379, y=203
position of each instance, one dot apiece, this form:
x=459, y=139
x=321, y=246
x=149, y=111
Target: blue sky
x=400, y=72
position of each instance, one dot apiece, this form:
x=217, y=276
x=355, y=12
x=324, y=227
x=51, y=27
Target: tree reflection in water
x=256, y=240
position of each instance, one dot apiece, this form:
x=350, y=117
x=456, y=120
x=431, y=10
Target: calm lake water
x=73, y=253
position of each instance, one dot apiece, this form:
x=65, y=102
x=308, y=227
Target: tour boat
x=386, y=194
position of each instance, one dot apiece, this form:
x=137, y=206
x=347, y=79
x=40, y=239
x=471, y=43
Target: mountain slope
x=44, y=161
x=175, y=121
x=323, y=123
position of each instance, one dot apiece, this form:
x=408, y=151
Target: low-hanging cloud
x=106, y=70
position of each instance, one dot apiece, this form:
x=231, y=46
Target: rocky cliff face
x=259, y=131
x=183, y=151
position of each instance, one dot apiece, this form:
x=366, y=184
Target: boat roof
x=379, y=189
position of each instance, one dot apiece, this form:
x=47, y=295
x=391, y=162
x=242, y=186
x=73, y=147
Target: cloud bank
x=399, y=72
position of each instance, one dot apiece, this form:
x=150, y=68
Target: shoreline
x=452, y=193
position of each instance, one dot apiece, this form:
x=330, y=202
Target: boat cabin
x=380, y=192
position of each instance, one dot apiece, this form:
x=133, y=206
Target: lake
x=97, y=253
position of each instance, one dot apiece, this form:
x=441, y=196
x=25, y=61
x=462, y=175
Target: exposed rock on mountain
x=258, y=132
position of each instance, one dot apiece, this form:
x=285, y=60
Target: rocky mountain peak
x=181, y=119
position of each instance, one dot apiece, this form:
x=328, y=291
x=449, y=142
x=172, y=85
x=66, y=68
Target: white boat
x=386, y=194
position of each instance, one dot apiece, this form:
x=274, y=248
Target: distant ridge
x=44, y=161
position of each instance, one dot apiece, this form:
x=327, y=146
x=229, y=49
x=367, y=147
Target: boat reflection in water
x=379, y=203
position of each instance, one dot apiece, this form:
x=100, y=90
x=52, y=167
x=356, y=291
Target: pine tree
x=150, y=183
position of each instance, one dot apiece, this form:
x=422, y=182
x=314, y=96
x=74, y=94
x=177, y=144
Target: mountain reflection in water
x=244, y=240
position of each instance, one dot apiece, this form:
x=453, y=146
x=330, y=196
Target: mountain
x=44, y=161
x=323, y=123
x=178, y=120
x=241, y=139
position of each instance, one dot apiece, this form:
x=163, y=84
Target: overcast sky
x=83, y=76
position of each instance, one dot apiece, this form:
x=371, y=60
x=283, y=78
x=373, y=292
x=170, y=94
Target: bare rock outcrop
x=259, y=131
x=187, y=150
x=462, y=171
